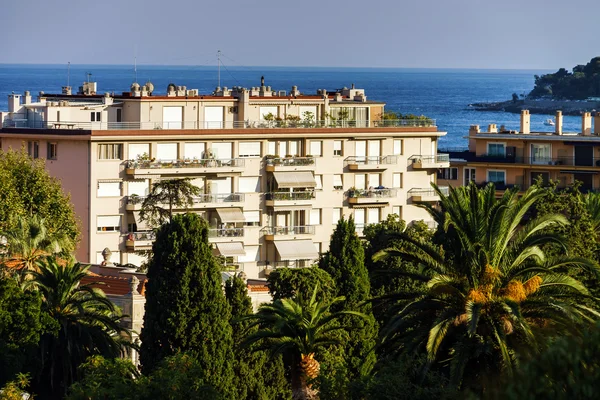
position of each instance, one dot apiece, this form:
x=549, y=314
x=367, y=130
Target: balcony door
x=469, y=175
x=541, y=154
x=584, y=155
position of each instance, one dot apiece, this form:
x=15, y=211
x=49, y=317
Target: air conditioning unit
x=233, y=110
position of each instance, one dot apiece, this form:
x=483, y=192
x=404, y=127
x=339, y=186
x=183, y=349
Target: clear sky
x=518, y=34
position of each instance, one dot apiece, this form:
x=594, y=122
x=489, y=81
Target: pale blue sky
x=519, y=34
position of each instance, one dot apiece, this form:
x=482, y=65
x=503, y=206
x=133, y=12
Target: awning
x=230, y=249
x=296, y=250
x=141, y=225
x=295, y=179
x=374, y=205
x=578, y=172
x=231, y=215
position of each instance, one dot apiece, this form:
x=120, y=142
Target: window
x=33, y=149
x=360, y=181
x=372, y=215
x=166, y=151
x=136, y=150
x=52, y=151
x=450, y=174
x=337, y=148
x=139, y=188
x=252, y=218
x=249, y=184
x=496, y=176
x=397, y=146
x=194, y=150
x=109, y=223
x=112, y=151
x=397, y=180
x=496, y=149
x=119, y=114
x=249, y=149
x=316, y=148
x=95, y=117
x=359, y=217
x=338, y=184
x=397, y=210
x=469, y=175
x=374, y=181
x=319, y=181
x=315, y=216
x=541, y=154
x=270, y=112
x=109, y=189
x=272, y=148
x=336, y=215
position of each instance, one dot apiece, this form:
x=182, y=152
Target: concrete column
x=525, y=122
x=597, y=123
x=586, y=124
x=558, y=123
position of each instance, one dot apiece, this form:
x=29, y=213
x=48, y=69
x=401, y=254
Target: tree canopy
x=580, y=84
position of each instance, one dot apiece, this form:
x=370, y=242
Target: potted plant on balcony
x=352, y=192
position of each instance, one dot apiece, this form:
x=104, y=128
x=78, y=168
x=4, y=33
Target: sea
x=442, y=94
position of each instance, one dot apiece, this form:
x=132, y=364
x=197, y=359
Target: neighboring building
x=277, y=169
x=510, y=158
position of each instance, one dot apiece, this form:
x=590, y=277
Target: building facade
x=277, y=169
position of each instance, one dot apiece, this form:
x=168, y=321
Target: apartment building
x=277, y=169
x=518, y=158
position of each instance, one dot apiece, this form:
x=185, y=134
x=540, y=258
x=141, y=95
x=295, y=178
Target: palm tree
x=84, y=321
x=299, y=328
x=592, y=204
x=178, y=192
x=492, y=296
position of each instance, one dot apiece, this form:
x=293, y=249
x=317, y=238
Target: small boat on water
x=549, y=122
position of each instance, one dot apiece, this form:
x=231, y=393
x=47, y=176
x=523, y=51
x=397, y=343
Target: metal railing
x=226, y=232
x=428, y=192
x=10, y=123
x=290, y=161
x=438, y=158
x=289, y=195
x=201, y=199
x=564, y=161
x=375, y=193
x=294, y=264
x=374, y=160
x=289, y=230
x=188, y=163
x=141, y=236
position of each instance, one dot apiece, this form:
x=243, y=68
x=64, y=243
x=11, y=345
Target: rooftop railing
x=370, y=160
x=23, y=123
x=203, y=198
x=289, y=196
x=188, y=163
x=289, y=230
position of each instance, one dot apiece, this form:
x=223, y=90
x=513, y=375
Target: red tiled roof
x=111, y=284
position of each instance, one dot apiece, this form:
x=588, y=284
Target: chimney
x=14, y=102
x=493, y=128
x=27, y=97
x=597, y=123
x=558, y=123
x=586, y=124
x=473, y=130
x=525, y=122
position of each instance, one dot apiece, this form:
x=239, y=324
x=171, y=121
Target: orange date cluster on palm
x=309, y=366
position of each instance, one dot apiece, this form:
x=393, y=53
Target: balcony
x=426, y=194
x=134, y=203
x=225, y=234
x=369, y=163
x=186, y=167
x=289, y=164
x=289, y=199
x=287, y=232
x=140, y=240
x=371, y=196
x=568, y=161
x=430, y=162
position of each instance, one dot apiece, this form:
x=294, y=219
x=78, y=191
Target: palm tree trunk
x=301, y=390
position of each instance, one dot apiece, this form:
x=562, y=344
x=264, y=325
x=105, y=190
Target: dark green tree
x=165, y=195
x=345, y=262
x=107, y=379
x=286, y=283
x=259, y=376
x=186, y=310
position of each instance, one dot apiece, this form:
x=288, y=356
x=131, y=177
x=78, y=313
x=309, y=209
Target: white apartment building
x=277, y=169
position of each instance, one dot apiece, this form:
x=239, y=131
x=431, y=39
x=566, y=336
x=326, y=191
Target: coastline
x=547, y=107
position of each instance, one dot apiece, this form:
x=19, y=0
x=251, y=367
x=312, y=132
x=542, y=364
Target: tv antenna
x=218, y=68
x=89, y=75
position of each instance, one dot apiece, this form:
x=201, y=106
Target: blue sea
x=443, y=94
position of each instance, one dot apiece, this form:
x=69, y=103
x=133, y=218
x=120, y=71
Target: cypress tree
x=186, y=310
x=345, y=262
x=258, y=375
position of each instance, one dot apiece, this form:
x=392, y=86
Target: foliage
x=396, y=116
x=582, y=83
x=493, y=296
x=569, y=369
x=172, y=193
x=185, y=306
x=88, y=324
x=108, y=379
x=285, y=283
x=258, y=375
x=26, y=189
x=16, y=390
x=592, y=206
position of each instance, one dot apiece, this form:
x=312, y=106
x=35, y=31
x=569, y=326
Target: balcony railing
x=294, y=264
x=289, y=230
x=290, y=161
x=359, y=160
x=191, y=163
x=439, y=158
x=560, y=161
x=10, y=123
x=428, y=192
x=284, y=196
x=141, y=236
x=226, y=232
x=367, y=193
x=201, y=199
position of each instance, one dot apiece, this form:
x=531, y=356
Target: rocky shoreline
x=548, y=107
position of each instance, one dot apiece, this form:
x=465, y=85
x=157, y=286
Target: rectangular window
x=374, y=181
x=139, y=188
x=272, y=148
x=450, y=174
x=222, y=150
x=397, y=210
x=95, y=116
x=338, y=183
x=319, y=181
x=372, y=215
x=361, y=148
x=337, y=148
x=541, y=154
x=374, y=148
x=360, y=181
x=113, y=151
x=33, y=149
x=252, y=218
x=315, y=216
x=109, y=223
x=249, y=149
x=336, y=215
x=268, y=113
x=119, y=114
x=249, y=184
x=316, y=148
x=397, y=146
x=496, y=149
x=52, y=151
x=166, y=151
x=194, y=150
x=397, y=180
x=283, y=149
x=496, y=176
x=109, y=189
x=136, y=150
x=469, y=175
x=359, y=217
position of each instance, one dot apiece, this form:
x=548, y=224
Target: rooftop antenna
x=218, y=68
x=69, y=73
x=89, y=75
